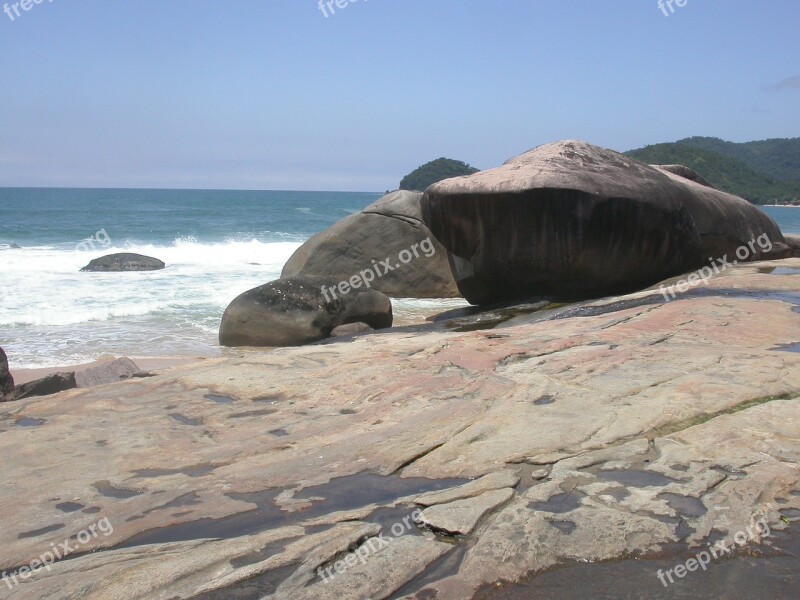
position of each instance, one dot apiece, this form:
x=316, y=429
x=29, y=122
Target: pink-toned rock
x=253, y=471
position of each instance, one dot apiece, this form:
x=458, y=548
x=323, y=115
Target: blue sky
x=271, y=94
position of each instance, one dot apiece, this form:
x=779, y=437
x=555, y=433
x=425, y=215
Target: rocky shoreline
x=492, y=452
x=622, y=427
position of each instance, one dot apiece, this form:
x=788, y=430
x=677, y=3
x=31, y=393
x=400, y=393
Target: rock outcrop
x=6, y=380
x=570, y=221
x=46, y=386
x=794, y=244
x=124, y=261
x=295, y=311
x=383, y=230
x=625, y=430
x=686, y=173
x=112, y=371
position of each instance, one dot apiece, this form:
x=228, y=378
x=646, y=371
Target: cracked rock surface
x=622, y=427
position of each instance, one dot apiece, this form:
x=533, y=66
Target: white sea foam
x=46, y=302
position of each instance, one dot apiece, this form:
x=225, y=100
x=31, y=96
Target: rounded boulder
x=124, y=261
x=299, y=310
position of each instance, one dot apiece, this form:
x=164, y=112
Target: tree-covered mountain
x=778, y=159
x=747, y=170
x=433, y=172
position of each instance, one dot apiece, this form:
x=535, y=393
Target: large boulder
x=385, y=229
x=6, y=380
x=569, y=221
x=124, y=261
x=299, y=310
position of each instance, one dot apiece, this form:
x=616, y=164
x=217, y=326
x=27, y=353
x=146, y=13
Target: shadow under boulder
x=294, y=312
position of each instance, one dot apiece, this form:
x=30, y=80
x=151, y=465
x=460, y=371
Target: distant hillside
x=733, y=174
x=433, y=172
x=778, y=159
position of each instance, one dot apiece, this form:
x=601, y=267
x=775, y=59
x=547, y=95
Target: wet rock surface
x=561, y=441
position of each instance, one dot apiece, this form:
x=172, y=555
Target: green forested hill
x=437, y=170
x=712, y=158
x=778, y=159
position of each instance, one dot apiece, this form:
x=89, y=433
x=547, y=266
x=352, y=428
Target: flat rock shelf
x=546, y=450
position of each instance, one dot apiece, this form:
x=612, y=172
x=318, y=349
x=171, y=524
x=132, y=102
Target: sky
x=274, y=94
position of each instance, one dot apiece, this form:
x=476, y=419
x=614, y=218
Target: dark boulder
x=294, y=311
x=570, y=221
x=794, y=244
x=686, y=173
x=6, y=380
x=383, y=230
x=52, y=384
x=110, y=372
x=124, y=262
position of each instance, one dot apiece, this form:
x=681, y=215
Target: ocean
x=216, y=244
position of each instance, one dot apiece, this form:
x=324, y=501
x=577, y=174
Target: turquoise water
x=217, y=244
x=62, y=218
x=787, y=217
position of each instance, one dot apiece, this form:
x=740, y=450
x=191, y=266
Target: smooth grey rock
x=383, y=230
x=461, y=517
x=124, y=261
x=381, y=573
x=294, y=312
x=109, y=372
x=686, y=173
x=492, y=481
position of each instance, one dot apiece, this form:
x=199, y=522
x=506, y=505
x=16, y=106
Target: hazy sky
x=271, y=94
